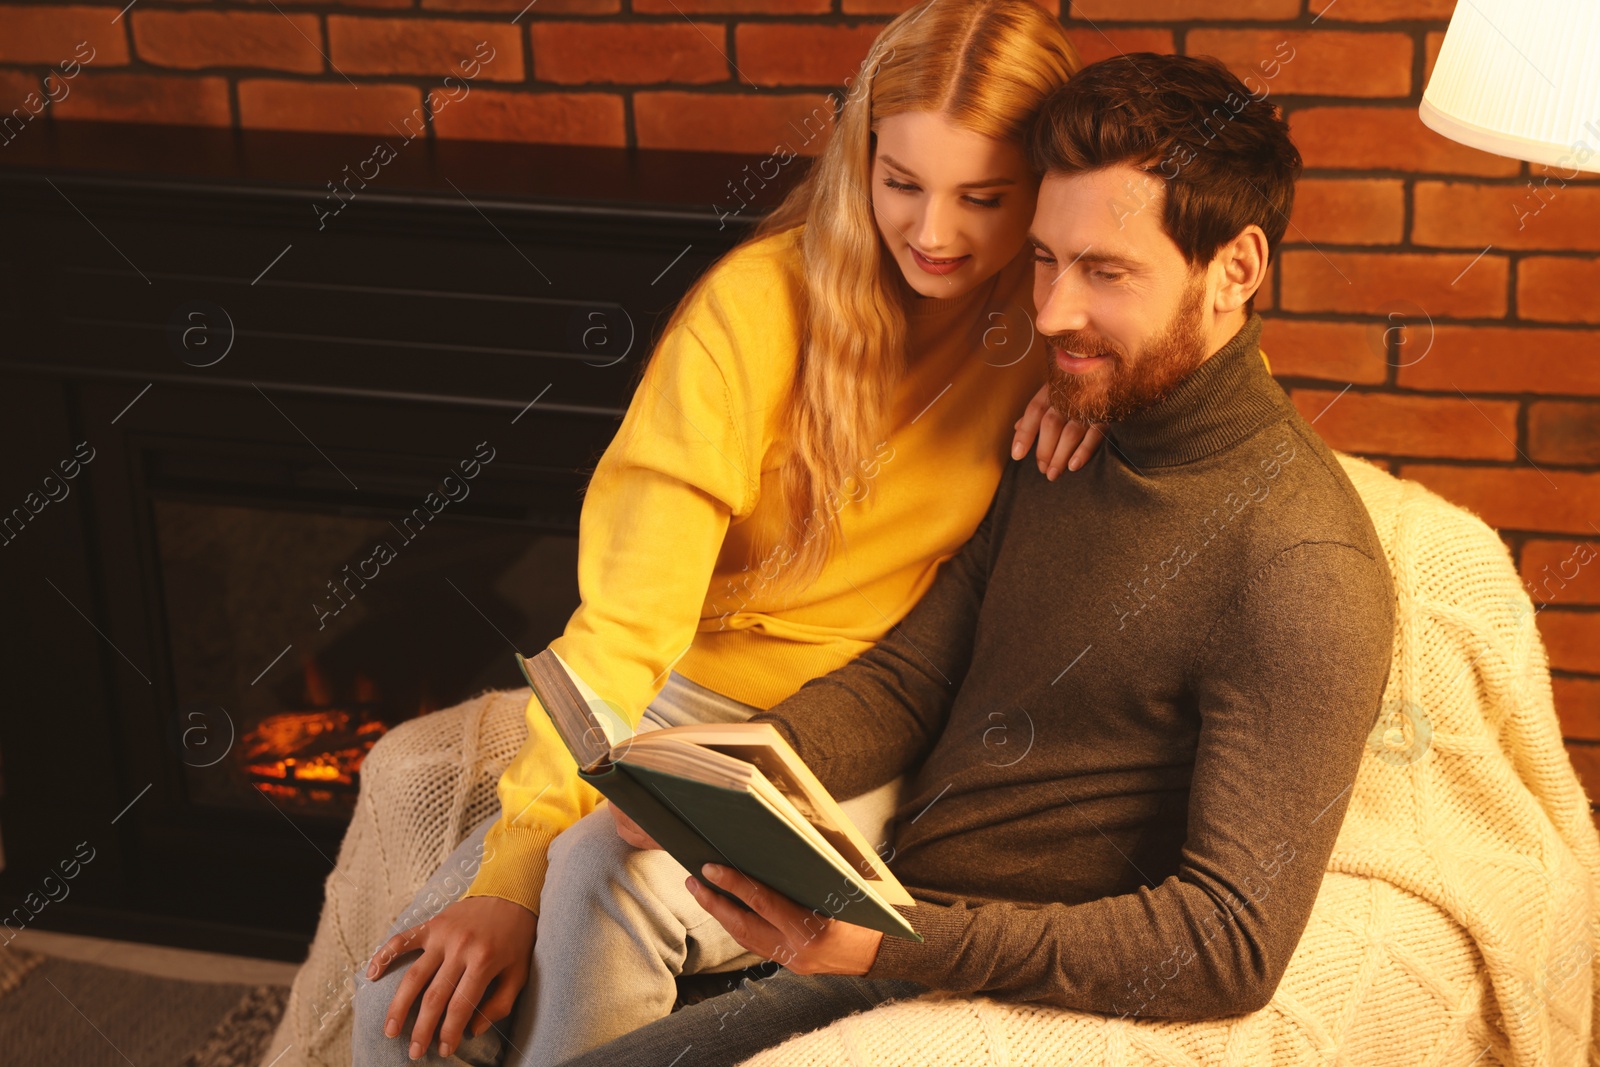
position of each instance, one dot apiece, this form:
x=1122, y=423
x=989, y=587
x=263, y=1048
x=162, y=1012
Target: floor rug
x=72, y=1014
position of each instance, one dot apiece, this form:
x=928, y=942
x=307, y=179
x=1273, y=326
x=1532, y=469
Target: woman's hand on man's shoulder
x=1061, y=443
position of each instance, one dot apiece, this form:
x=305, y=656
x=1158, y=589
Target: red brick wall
x=1487, y=389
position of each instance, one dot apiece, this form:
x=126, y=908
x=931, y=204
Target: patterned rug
x=63, y=1012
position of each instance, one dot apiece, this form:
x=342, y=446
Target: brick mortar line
x=1492, y=465
x=732, y=86
x=1368, y=318
x=1524, y=398
x=834, y=17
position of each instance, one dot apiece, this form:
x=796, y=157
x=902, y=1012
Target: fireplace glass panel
x=299, y=636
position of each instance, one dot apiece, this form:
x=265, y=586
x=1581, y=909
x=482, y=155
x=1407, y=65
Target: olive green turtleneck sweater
x=1133, y=705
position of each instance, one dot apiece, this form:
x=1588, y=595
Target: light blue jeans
x=616, y=927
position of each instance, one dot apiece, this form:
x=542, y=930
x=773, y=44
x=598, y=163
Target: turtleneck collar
x=1223, y=401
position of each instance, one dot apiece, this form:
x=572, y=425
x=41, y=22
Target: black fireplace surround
x=294, y=449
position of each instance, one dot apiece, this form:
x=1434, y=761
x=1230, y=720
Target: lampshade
x=1521, y=78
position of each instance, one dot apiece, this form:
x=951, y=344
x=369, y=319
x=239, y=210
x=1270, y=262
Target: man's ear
x=1243, y=269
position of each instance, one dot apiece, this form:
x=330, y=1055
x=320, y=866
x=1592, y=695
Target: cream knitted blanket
x=1457, y=924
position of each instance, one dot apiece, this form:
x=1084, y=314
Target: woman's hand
x=629, y=830
x=1058, y=437
x=466, y=946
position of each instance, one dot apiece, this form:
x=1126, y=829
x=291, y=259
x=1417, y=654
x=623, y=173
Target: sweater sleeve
x=1288, y=685
x=879, y=715
x=653, y=520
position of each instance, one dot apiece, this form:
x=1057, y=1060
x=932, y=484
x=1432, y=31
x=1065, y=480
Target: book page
x=686, y=760
x=554, y=689
x=610, y=721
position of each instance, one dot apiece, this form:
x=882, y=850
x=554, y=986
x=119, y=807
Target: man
x=1183, y=647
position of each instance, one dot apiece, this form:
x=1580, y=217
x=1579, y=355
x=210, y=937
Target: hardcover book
x=733, y=793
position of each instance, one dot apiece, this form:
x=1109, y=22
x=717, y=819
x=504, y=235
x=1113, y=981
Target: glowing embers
x=314, y=754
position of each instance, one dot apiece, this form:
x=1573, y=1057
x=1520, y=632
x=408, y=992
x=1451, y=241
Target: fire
x=294, y=751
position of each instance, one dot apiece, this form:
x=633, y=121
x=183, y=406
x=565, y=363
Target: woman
x=823, y=422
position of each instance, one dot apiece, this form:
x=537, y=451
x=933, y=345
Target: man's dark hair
x=1224, y=152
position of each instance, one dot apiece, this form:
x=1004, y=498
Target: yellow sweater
x=674, y=501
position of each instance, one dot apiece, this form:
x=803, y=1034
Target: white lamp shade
x=1521, y=78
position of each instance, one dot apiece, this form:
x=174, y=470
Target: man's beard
x=1123, y=386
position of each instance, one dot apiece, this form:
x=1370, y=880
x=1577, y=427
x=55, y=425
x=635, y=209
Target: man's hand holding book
x=774, y=927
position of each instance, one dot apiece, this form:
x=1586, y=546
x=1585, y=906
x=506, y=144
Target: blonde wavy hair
x=986, y=66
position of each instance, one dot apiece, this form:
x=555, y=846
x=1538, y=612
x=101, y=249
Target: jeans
x=760, y=1013
x=616, y=927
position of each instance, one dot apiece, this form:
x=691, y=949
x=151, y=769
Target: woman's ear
x=1244, y=269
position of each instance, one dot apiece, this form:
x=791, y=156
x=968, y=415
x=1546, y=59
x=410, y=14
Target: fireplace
x=323, y=480
x=359, y=654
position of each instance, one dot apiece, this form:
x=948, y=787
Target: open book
x=735, y=794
